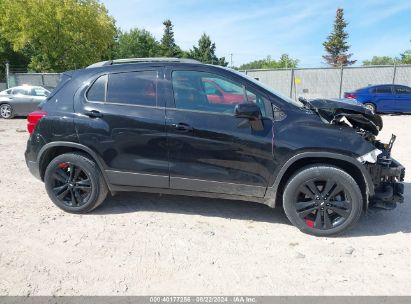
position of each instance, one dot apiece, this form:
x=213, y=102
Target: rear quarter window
x=97, y=91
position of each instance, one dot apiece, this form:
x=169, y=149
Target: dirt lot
x=147, y=244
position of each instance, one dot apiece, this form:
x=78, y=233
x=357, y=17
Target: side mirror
x=248, y=110
x=251, y=112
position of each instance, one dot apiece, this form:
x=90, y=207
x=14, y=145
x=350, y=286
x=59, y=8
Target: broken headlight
x=370, y=157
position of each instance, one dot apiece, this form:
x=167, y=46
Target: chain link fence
x=330, y=82
x=18, y=75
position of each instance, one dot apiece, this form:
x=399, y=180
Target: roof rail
x=136, y=60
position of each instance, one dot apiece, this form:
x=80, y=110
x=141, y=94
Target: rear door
x=122, y=118
x=210, y=150
x=384, y=98
x=37, y=95
x=21, y=100
x=403, y=99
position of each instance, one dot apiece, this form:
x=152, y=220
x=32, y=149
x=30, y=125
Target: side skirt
x=115, y=188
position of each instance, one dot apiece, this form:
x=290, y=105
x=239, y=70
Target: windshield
x=271, y=90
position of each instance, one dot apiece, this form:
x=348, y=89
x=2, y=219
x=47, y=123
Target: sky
x=254, y=29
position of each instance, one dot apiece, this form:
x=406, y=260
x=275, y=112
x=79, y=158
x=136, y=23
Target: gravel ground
x=141, y=244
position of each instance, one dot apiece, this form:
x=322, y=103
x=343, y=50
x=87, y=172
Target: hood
x=343, y=110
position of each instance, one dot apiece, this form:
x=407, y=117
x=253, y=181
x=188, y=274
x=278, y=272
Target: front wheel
x=322, y=200
x=6, y=111
x=74, y=183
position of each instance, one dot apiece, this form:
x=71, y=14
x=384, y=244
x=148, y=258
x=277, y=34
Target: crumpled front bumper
x=387, y=175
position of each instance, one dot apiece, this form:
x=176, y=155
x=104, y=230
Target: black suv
x=181, y=127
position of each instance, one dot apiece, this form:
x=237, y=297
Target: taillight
x=33, y=119
x=350, y=95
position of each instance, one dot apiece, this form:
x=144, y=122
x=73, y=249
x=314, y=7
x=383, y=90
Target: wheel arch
x=54, y=149
x=349, y=164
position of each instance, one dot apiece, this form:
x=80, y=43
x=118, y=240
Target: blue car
x=384, y=98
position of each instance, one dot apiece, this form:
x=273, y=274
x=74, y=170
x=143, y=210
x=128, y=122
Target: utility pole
x=231, y=59
x=7, y=75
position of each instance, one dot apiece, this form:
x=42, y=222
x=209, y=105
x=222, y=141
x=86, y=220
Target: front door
x=210, y=150
x=403, y=99
x=123, y=120
x=384, y=98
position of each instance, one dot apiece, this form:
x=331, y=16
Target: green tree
x=62, y=34
x=168, y=46
x=136, y=43
x=336, y=44
x=205, y=52
x=380, y=60
x=8, y=55
x=406, y=57
x=285, y=62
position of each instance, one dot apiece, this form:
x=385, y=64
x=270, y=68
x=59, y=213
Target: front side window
x=208, y=92
x=403, y=90
x=19, y=91
x=383, y=90
x=133, y=88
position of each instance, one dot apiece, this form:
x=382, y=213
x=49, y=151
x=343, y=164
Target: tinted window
x=383, y=90
x=135, y=88
x=209, y=92
x=98, y=89
x=403, y=90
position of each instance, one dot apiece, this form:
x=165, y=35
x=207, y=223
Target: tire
x=6, y=111
x=75, y=183
x=370, y=106
x=324, y=210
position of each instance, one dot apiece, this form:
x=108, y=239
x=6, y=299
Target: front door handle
x=182, y=127
x=93, y=114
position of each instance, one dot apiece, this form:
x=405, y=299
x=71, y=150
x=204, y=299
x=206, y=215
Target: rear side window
x=403, y=90
x=97, y=90
x=39, y=92
x=383, y=90
x=133, y=88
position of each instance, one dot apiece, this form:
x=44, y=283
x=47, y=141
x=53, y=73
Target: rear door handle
x=93, y=114
x=182, y=127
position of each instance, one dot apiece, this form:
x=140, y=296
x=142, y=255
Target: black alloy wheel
x=71, y=184
x=322, y=200
x=323, y=204
x=75, y=183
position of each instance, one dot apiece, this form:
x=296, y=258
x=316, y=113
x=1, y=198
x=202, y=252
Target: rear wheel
x=74, y=183
x=370, y=106
x=6, y=111
x=322, y=200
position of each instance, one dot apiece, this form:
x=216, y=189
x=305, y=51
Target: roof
x=141, y=60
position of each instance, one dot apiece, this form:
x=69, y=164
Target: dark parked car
x=385, y=98
x=21, y=100
x=146, y=125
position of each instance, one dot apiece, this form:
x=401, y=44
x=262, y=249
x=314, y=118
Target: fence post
x=341, y=80
x=394, y=73
x=7, y=75
x=291, y=83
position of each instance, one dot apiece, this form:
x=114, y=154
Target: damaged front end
x=387, y=174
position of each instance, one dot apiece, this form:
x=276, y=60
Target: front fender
x=271, y=193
